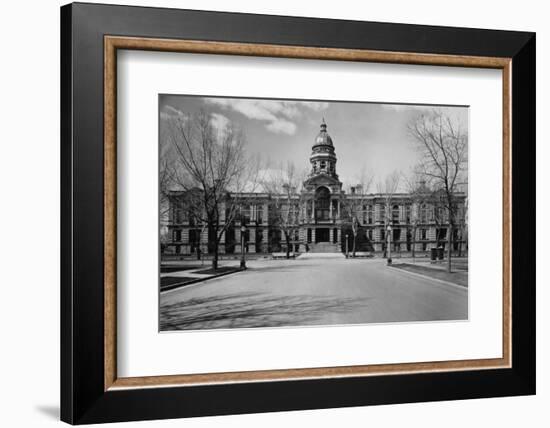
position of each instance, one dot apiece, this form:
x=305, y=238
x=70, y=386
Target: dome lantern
x=323, y=157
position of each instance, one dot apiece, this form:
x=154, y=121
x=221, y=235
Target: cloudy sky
x=365, y=135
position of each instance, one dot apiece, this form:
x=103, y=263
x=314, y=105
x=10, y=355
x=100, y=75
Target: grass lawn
x=170, y=282
x=176, y=268
x=223, y=269
x=167, y=282
x=456, y=277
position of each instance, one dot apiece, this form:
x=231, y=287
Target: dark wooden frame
x=89, y=389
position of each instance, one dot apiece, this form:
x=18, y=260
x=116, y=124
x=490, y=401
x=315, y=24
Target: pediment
x=322, y=180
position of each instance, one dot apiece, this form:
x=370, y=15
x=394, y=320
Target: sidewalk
x=438, y=272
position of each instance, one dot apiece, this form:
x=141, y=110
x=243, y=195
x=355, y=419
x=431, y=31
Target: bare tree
x=463, y=224
x=418, y=193
x=283, y=184
x=166, y=182
x=211, y=167
x=387, y=190
x=354, y=204
x=443, y=146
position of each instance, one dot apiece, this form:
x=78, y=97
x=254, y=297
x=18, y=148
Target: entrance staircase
x=324, y=247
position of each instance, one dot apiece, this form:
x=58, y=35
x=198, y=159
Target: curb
x=197, y=280
x=441, y=281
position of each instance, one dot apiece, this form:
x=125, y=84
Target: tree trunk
x=414, y=242
x=460, y=243
x=215, y=256
x=449, y=249
x=287, y=238
x=354, y=240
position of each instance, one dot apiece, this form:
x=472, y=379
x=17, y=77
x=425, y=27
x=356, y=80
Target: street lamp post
x=347, y=242
x=389, y=244
x=243, y=261
x=415, y=225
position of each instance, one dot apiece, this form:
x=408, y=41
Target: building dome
x=323, y=139
x=323, y=157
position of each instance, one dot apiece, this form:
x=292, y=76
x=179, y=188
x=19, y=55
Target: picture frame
x=91, y=391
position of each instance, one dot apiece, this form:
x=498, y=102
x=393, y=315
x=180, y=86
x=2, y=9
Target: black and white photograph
x=288, y=213
x=275, y=214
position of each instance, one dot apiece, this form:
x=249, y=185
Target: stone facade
x=325, y=216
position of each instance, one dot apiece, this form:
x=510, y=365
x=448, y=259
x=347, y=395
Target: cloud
x=396, y=107
x=169, y=112
x=316, y=106
x=253, y=109
x=278, y=113
x=282, y=126
x=174, y=111
x=409, y=108
x=219, y=121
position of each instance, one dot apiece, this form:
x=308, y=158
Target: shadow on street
x=253, y=310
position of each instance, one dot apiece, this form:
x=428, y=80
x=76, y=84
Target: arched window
x=322, y=203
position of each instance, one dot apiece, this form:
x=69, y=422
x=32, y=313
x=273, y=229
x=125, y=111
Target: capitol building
x=325, y=218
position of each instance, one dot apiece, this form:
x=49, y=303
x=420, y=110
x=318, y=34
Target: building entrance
x=322, y=235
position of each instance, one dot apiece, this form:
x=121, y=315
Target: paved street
x=319, y=289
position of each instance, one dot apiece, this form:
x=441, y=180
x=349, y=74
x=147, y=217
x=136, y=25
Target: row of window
x=441, y=234
x=246, y=214
x=427, y=213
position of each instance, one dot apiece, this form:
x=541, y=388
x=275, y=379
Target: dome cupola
x=323, y=157
x=323, y=139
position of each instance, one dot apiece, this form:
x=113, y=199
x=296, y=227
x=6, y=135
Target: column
x=338, y=213
x=312, y=235
x=204, y=241
x=376, y=238
x=303, y=239
x=313, y=209
x=403, y=239
x=221, y=245
x=266, y=216
x=418, y=245
x=185, y=248
x=330, y=209
x=265, y=240
x=238, y=240
x=338, y=235
x=432, y=236
x=252, y=240
x=330, y=235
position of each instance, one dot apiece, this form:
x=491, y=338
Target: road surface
x=314, y=290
